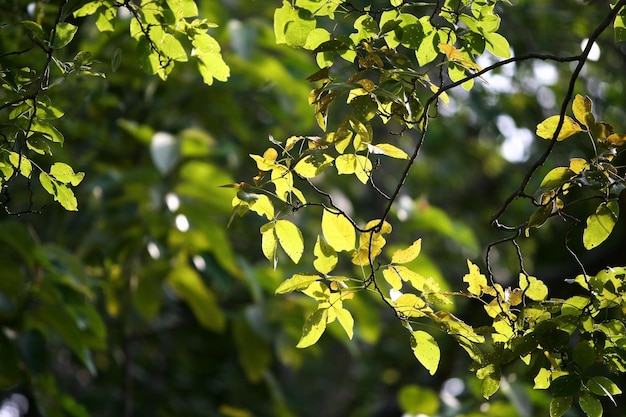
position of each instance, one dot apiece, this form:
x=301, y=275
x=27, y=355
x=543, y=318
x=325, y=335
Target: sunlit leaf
x=325, y=256
x=426, y=350
x=603, y=386
x=290, y=238
x=314, y=327
x=477, y=281
x=388, y=150
x=600, y=224
x=296, y=282
x=402, y=256
x=338, y=231
x=582, y=110
x=547, y=128
x=65, y=174
x=347, y=322
x=497, y=44
x=64, y=33
x=269, y=242
x=533, y=288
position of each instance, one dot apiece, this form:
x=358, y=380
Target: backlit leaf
x=582, y=110
x=616, y=139
x=477, y=281
x=600, y=224
x=290, y=239
x=601, y=385
x=325, y=256
x=64, y=33
x=338, y=231
x=346, y=321
x=426, y=350
x=533, y=288
x=402, y=256
x=547, y=128
x=314, y=327
x=497, y=44
x=296, y=282
x=392, y=277
x=65, y=174
x=390, y=150
x=269, y=242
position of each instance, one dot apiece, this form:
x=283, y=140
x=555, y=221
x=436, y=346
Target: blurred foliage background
x=144, y=303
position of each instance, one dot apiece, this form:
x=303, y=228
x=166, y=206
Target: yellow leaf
x=313, y=328
x=296, y=282
x=338, y=231
x=402, y=256
x=412, y=277
x=282, y=179
x=290, y=239
x=270, y=154
x=582, y=110
x=346, y=321
x=388, y=150
x=578, y=165
x=533, y=288
x=616, y=139
x=547, y=128
x=325, y=257
x=411, y=305
x=426, y=350
x=263, y=206
x=318, y=290
x=477, y=281
x=392, y=277
x=362, y=255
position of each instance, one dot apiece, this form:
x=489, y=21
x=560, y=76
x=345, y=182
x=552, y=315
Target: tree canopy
x=339, y=208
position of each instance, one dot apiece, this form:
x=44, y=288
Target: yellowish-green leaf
x=497, y=44
x=269, y=242
x=600, y=224
x=582, y=110
x=533, y=288
x=312, y=165
x=601, y=385
x=65, y=174
x=262, y=205
x=21, y=161
x=542, y=379
x=346, y=321
x=411, y=305
x=290, y=239
x=318, y=291
x=296, y=282
x=402, y=256
x=426, y=350
x=314, y=327
x=477, y=281
x=547, y=128
x=325, y=256
x=392, y=277
x=338, y=231
x=388, y=150
x=416, y=280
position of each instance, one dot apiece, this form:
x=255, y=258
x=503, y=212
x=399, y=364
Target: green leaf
x=183, y=8
x=603, y=386
x=584, y=354
x=189, y=286
x=590, y=405
x=105, y=18
x=61, y=192
x=497, y=44
x=315, y=38
x=64, y=33
x=556, y=178
x=600, y=224
x=296, y=282
x=88, y=9
x=426, y=350
x=547, y=128
x=292, y=26
x=24, y=164
x=48, y=131
x=338, y=231
x=65, y=174
x=559, y=405
x=490, y=384
x=254, y=354
x=325, y=256
x=313, y=328
x=210, y=62
x=565, y=385
x=290, y=239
